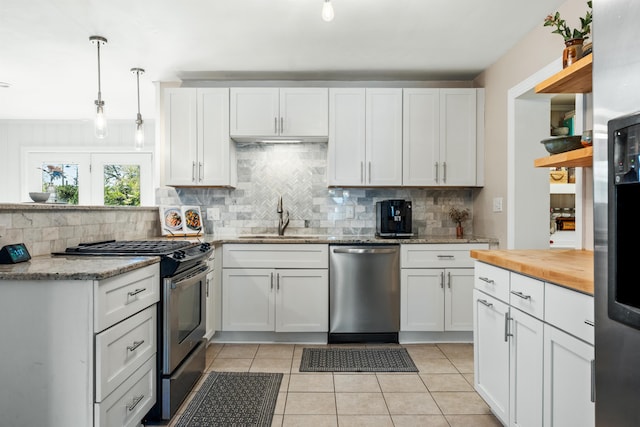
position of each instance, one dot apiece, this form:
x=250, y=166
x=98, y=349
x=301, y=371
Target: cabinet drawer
x=275, y=256
x=121, y=296
x=527, y=294
x=131, y=401
x=492, y=280
x=122, y=349
x=570, y=311
x=438, y=255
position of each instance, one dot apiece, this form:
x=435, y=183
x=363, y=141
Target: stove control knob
x=204, y=247
x=179, y=254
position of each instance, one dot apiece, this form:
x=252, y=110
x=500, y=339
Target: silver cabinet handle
x=442, y=279
x=278, y=281
x=449, y=279
x=589, y=322
x=208, y=281
x=506, y=327
x=275, y=125
x=135, y=402
x=369, y=172
x=487, y=280
x=361, y=172
x=200, y=168
x=136, y=292
x=281, y=125
x=436, y=170
x=593, y=380
x=484, y=302
x=444, y=172
x=521, y=295
x=271, y=281
x=135, y=345
x=193, y=172
x=446, y=257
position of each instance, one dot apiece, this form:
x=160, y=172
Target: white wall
x=57, y=134
x=535, y=51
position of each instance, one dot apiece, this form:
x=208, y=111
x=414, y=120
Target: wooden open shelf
x=582, y=157
x=576, y=78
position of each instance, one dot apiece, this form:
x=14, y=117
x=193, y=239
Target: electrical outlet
x=350, y=212
x=497, y=204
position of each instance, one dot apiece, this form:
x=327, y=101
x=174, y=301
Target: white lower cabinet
x=275, y=299
x=568, y=380
x=82, y=354
x=528, y=371
x=491, y=353
x=436, y=287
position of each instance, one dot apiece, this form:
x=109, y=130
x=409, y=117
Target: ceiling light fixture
x=139, y=135
x=327, y=11
x=101, y=121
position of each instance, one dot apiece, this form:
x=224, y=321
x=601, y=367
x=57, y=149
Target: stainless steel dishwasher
x=364, y=293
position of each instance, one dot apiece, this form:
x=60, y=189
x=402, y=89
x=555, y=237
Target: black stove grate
x=133, y=247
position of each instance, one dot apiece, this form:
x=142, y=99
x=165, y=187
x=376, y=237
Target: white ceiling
x=46, y=56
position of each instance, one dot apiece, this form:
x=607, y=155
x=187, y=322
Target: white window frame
x=90, y=171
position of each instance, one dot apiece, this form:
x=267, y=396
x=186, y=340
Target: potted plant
x=459, y=216
x=573, y=38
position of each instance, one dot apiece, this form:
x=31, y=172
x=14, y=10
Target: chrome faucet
x=282, y=222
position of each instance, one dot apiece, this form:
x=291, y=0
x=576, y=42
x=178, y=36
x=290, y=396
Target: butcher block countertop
x=566, y=267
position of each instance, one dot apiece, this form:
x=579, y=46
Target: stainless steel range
x=181, y=313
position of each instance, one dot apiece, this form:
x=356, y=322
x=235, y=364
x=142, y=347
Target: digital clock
x=11, y=254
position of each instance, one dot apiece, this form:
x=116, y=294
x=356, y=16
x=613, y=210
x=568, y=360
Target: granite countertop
x=570, y=268
x=32, y=206
x=50, y=267
x=267, y=238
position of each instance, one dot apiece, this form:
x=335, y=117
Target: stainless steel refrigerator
x=616, y=97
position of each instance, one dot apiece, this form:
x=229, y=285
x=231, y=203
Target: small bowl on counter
x=562, y=144
x=39, y=197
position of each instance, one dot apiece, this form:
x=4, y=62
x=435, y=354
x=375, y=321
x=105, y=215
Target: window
x=114, y=178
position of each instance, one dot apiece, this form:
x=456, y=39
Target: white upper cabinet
x=440, y=137
x=365, y=137
x=198, y=150
x=279, y=112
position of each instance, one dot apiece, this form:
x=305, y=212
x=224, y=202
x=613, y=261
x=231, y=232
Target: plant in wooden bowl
x=459, y=216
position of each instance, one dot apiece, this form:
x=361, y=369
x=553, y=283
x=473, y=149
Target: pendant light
x=101, y=121
x=139, y=135
x=327, y=11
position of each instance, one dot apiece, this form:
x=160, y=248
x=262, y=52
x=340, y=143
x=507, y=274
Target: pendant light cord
x=138, y=85
x=99, y=91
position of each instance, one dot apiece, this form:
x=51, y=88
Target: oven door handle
x=189, y=278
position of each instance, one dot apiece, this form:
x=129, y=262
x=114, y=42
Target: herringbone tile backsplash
x=297, y=172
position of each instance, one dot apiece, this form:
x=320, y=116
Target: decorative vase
x=572, y=52
x=459, y=232
x=53, y=198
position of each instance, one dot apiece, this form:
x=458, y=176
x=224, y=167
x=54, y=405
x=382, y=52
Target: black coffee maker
x=393, y=218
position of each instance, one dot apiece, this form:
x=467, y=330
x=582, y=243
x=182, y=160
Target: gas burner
x=131, y=247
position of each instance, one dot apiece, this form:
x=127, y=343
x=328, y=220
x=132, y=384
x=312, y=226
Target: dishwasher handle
x=360, y=251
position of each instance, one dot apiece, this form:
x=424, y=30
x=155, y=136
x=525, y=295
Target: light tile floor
x=440, y=395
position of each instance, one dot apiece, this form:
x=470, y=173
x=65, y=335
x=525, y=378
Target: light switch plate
x=497, y=204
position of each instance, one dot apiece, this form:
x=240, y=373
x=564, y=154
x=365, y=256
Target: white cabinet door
x=302, y=300
x=254, y=112
x=214, y=145
x=248, y=297
x=458, y=299
x=568, y=380
x=346, y=150
x=491, y=353
x=421, y=136
x=181, y=152
x=458, y=137
x=383, y=137
x=197, y=150
x=421, y=299
x=526, y=356
x=304, y=111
